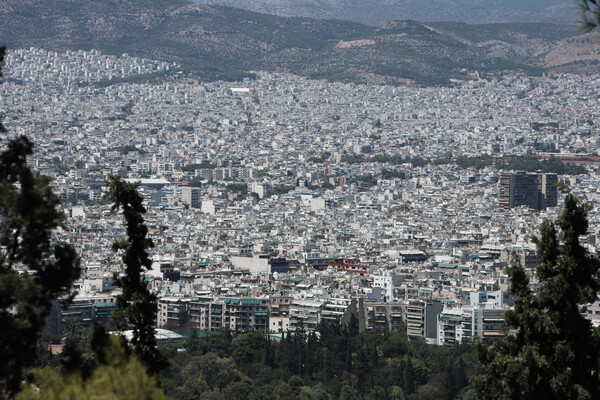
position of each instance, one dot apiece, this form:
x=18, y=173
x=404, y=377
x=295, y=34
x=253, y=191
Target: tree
x=136, y=304
x=76, y=354
x=409, y=377
x=121, y=378
x=554, y=351
x=35, y=270
x=590, y=14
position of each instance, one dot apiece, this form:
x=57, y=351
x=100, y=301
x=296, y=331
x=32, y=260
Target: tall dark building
x=548, y=190
x=536, y=191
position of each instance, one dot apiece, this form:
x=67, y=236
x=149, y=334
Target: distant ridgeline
x=217, y=42
x=378, y=12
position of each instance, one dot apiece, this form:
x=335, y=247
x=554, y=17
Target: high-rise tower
x=536, y=191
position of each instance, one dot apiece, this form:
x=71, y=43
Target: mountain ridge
x=379, y=12
x=218, y=42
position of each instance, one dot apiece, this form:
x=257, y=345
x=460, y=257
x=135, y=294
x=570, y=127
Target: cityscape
x=206, y=202
x=267, y=204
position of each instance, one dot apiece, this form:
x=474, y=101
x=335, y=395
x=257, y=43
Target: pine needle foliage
x=137, y=305
x=35, y=270
x=553, y=351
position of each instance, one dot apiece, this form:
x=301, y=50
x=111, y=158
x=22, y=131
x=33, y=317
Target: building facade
x=535, y=191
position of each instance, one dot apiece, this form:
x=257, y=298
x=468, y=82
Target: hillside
x=219, y=42
x=379, y=12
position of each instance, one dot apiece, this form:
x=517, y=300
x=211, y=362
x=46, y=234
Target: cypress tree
x=137, y=305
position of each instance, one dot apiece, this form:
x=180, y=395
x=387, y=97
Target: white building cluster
x=281, y=202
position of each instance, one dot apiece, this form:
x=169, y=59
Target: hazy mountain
x=378, y=12
x=223, y=42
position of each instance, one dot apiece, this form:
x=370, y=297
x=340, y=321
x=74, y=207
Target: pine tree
x=34, y=270
x=554, y=351
x=137, y=305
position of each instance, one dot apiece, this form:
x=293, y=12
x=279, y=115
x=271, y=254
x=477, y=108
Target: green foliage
x=352, y=159
x=262, y=172
x=475, y=162
x=279, y=190
x=203, y=165
x=539, y=126
x=76, y=354
x=320, y=158
x=369, y=180
x=269, y=43
x=130, y=148
x=554, y=352
x=462, y=161
x=196, y=182
x=338, y=363
x=241, y=188
x=121, y=378
x=392, y=174
x=136, y=304
x=34, y=270
x=545, y=147
x=152, y=77
x=60, y=166
x=327, y=185
x=553, y=164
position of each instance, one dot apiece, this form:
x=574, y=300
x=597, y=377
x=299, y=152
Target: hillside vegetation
x=378, y=12
x=220, y=42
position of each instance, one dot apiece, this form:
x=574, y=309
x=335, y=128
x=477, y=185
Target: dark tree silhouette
x=137, y=305
x=554, y=351
x=35, y=270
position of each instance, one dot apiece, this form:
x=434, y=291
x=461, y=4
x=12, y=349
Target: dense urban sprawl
x=279, y=202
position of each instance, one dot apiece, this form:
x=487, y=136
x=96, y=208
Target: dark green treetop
x=136, y=304
x=35, y=270
x=553, y=351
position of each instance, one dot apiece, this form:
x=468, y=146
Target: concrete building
x=172, y=312
x=246, y=314
x=536, y=191
x=548, y=190
x=207, y=314
x=518, y=189
x=421, y=320
x=191, y=197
